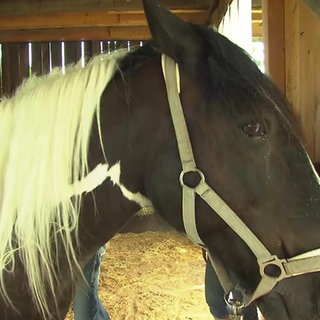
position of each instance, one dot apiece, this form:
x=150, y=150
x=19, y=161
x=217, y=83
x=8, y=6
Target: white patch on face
x=99, y=174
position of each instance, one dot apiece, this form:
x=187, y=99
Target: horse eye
x=255, y=129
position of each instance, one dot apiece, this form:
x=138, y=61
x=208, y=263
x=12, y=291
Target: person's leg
x=86, y=303
x=215, y=295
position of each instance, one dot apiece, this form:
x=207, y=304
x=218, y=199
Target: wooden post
x=293, y=66
x=274, y=41
x=40, y=58
x=16, y=66
x=302, y=42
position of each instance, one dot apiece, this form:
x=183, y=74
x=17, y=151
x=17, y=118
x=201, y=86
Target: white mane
x=44, y=132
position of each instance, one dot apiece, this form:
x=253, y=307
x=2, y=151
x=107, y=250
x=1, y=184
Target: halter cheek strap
x=306, y=263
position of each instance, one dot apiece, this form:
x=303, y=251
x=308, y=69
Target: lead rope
x=308, y=262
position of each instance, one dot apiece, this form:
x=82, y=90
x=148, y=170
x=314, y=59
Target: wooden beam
x=86, y=25
x=256, y=20
x=9, y=7
x=97, y=24
x=95, y=33
x=15, y=63
x=75, y=19
x=257, y=31
x=308, y=24
x=273, y=34
x=293, y=65
x=256, y=15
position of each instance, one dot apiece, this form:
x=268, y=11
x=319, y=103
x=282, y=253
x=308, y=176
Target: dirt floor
x=154, y=276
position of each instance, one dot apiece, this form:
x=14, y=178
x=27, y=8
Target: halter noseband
x=301, y=264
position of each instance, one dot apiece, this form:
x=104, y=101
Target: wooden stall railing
x=86, y=23
x=20, y=60
x=33, y=20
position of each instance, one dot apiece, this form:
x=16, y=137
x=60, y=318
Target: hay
x=153, y=275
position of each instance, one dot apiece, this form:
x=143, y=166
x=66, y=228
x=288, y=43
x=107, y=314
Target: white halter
x=301, y=264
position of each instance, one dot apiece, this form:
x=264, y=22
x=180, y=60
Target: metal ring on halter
x=236, y=306
x=273, y=267
x=199, y=172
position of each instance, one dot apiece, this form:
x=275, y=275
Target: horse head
x=189, y=125
x=246, y=147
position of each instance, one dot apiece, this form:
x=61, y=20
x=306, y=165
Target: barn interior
x=283, y=37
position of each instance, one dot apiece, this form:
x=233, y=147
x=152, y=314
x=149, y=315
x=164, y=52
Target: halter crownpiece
x=285, y=268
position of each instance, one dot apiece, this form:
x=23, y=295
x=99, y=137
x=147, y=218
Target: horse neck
x=134, y=122
x=104, y=212
x=138, y=132
x=128, y=123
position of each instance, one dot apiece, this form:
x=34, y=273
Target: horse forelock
x=233, y=73
x=45, y=129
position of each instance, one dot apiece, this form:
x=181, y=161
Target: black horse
x=69, y=183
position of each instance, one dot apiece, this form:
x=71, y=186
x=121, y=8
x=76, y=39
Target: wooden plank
x=302, y=40
x=256, y=20
x=72, y=52
x=80, y=26
x=56, y=54
x=40, y=58
x=77, y=19
x=317, y=93
x=98, y=33
x=257, y=31
x=292, y=58
x=8, y=7
x=89, y=50
x=256, y=16
x=105, y=46
x=16, y=65
x=95, y=45
x=36, y=63
x=273, y=34
x=308, y=56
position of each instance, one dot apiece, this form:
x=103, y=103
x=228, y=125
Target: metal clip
x=236, y=306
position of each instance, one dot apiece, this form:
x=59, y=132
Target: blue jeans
x=86, y=303
x=215, y=297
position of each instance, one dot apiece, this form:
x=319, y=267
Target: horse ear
x=173, y=36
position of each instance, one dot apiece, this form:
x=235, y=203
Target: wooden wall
x=292, y=38
x=54, y=20
x=302, y=57
x=22, y=59
x=46, y=23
